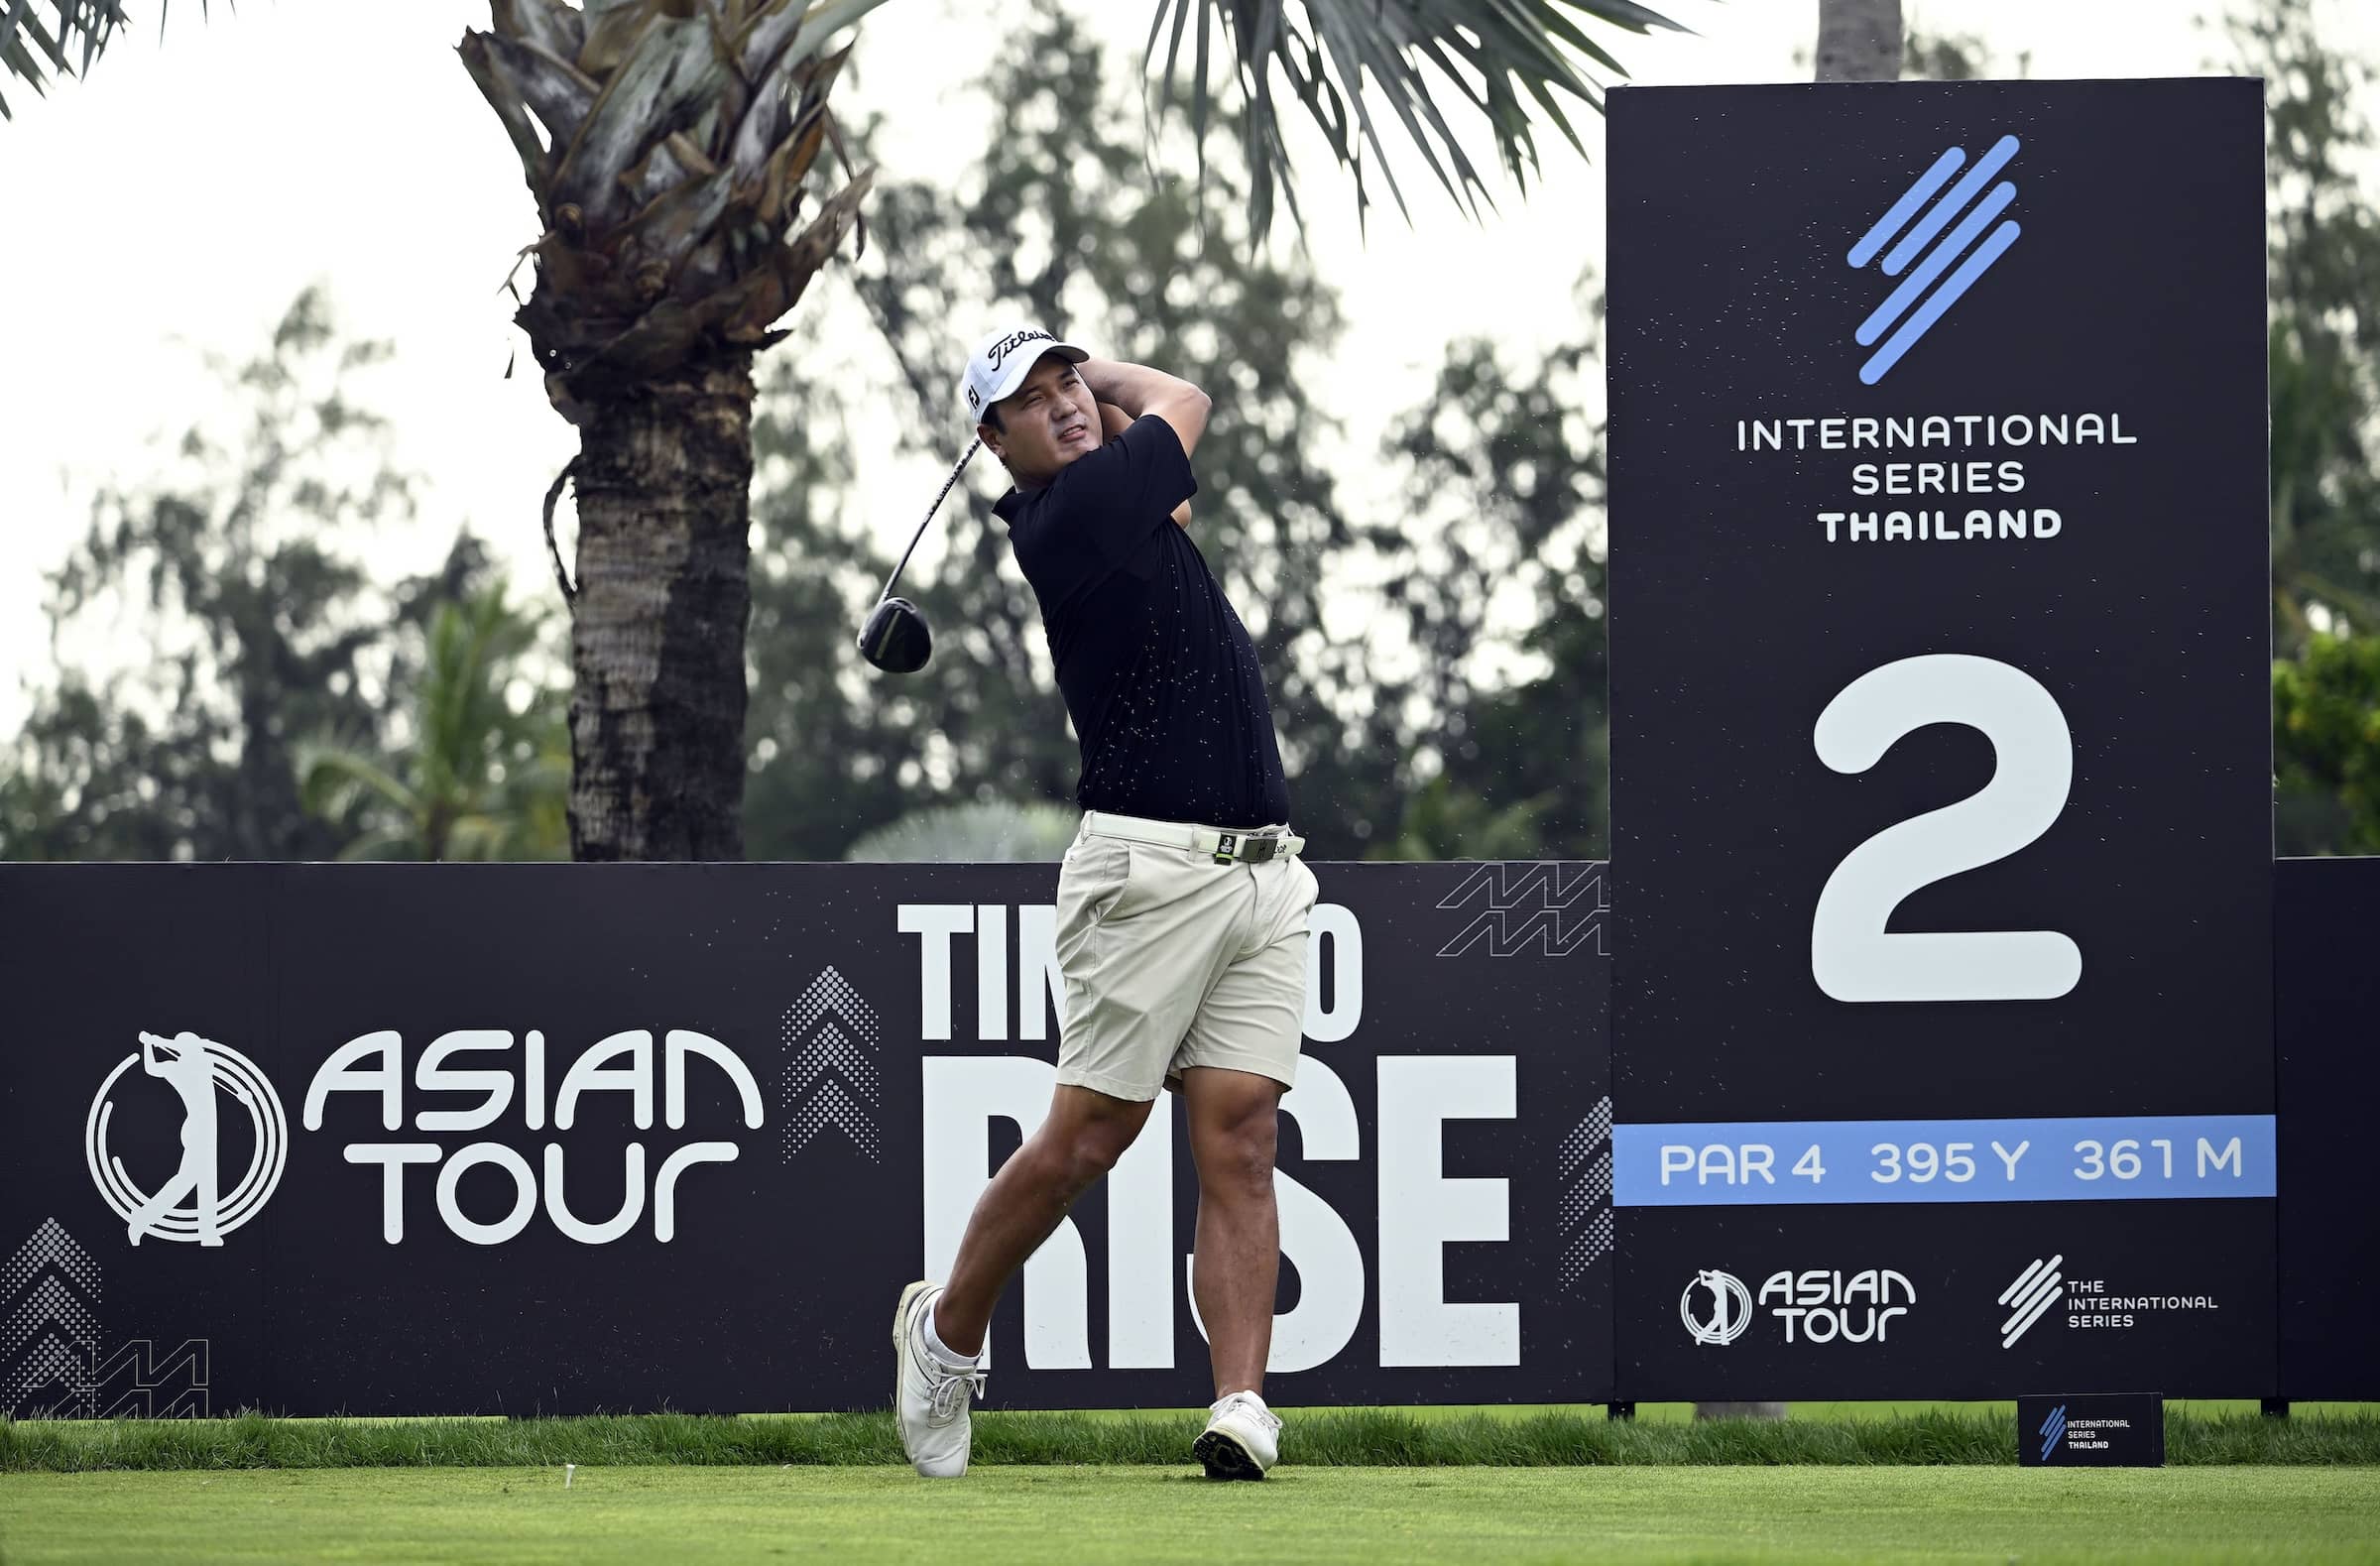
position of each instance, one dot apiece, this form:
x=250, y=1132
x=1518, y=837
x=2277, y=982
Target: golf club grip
x=151, y=1039
x=894, y=580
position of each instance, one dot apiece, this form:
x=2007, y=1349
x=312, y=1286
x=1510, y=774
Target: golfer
x=1182, y=903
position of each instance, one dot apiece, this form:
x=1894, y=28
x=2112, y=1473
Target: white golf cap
x=999, y=364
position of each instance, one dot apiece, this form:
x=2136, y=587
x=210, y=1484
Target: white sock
x=943, y=1352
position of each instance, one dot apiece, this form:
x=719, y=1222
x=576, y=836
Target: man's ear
x=990, y=440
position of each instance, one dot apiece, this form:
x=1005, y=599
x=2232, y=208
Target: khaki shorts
x=1172, y=960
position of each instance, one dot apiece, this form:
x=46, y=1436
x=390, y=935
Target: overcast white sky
x=177, y=200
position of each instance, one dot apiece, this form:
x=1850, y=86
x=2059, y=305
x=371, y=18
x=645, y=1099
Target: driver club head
x=895, y=639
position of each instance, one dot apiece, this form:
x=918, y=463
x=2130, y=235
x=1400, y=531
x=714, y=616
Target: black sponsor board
x=1940, y=743
x=2091, y=1430
x=550, y=1138
x=2325, y=934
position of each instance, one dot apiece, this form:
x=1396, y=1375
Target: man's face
x=1044, y=425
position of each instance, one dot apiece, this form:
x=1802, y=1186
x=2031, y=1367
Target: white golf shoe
x=930, y=1397
x=1243, y=1438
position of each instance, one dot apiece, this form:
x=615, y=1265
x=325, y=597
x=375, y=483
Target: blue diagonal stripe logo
x=1910, y=311
x=2051, y=1429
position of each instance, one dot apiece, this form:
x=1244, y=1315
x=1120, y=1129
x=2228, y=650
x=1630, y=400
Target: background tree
x=968, y=834
x=485, y=771
x=2327, y=738
x=255, y=626
x=2324, y=325
x=1503, y=735
x=2324, y=357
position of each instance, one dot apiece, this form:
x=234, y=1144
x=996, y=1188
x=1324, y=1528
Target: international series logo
x=1895, y=314
x=2091, y=1304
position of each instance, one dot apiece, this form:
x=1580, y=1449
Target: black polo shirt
x=1159, y=675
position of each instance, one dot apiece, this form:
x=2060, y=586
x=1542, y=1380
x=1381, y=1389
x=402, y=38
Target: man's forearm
x=1140, y=391
x=1131, y=387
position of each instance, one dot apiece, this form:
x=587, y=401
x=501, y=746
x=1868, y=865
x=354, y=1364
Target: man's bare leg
x=1234, y=1128
x=1083, y=1135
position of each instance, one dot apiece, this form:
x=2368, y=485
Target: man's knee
x=1085, y=1137
x=1090, y=1152
x=1236, y=1160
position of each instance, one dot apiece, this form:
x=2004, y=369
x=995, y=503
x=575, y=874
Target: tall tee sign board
x=1941, y=859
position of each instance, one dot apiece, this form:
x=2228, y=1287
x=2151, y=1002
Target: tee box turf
x=2092, y=1430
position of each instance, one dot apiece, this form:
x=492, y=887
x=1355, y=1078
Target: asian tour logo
x=1895, y=316
x=1731, y=1308
x=191, y=1204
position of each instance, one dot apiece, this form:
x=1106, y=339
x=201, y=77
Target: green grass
x=1069, y=1514
x=1331, y=1438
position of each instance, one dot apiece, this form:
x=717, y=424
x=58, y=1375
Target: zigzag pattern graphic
x=1585, y=1219
x=137, y=1383
x=829, y=1077
x=1531, y=908
x=49, y=1292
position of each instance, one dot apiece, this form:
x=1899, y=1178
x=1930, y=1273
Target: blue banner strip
x=2090, y=1158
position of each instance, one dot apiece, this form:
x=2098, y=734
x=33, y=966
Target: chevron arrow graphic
x=49, y=1290
x=830, y=1075
x=833, y=1106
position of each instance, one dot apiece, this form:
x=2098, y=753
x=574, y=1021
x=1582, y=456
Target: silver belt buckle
x=1245, y=848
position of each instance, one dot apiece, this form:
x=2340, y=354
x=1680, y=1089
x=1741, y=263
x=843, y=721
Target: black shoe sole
x=1225, y=1458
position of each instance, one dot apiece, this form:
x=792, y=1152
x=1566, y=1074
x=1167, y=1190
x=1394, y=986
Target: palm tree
x=678, y=152
x=75, y=27
x=484, y=780
x=1859, y=40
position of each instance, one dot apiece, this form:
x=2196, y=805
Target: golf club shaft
x=894, y=580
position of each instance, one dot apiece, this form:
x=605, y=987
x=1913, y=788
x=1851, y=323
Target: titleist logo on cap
x=1000, y=350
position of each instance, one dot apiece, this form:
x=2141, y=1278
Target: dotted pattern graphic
x=830, y=1049
x=1531, y=908
x=1586, y=1207
x=49, y=1362
x=50, y=1293
x=51, y=1301
x=832, y=1106
x=830, y=1039
x=1586, y=1248
x=49, y=1248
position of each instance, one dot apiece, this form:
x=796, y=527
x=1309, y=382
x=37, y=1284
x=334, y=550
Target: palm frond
x=87, y=24
x=1509, y=63
x=382, y=845
x=668, y=144
x=330, y=779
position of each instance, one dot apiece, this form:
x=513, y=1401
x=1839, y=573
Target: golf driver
x=895, y=639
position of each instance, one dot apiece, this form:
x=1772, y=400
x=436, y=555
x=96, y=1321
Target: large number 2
x=1851, y=955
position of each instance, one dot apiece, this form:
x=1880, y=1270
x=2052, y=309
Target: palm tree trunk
x=656, y=635
x=1859, y=40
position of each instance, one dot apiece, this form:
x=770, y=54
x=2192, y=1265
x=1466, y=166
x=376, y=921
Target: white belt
x=1226, y=846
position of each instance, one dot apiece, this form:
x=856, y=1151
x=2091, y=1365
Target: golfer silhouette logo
x=191, y=1204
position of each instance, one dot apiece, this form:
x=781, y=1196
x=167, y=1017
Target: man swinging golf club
x=1182, y=905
